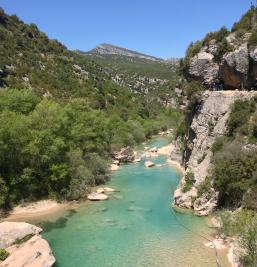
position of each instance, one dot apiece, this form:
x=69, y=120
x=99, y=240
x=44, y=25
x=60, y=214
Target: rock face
x=34, y=251
x=126, y=155
x=208, y=123
x=203, y=68
x=12, y=231
x=236, y=68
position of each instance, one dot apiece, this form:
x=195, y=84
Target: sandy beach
x=176, y=165
x=38, y=209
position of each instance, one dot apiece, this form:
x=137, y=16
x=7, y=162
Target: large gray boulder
x=235, y=67
x=202, y=67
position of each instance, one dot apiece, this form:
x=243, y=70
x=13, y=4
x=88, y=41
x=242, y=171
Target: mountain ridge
x=109, y=49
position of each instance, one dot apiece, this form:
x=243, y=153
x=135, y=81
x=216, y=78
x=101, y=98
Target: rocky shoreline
x=36, y=243
x=208, y=124
x=24, y=246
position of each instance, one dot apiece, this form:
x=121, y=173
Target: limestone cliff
x=235, y=69
x=208, y=123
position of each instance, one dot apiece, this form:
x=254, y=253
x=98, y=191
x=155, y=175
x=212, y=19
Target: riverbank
x=42, y=208
x=46, y=208
x=136, y=223
x=139, y=213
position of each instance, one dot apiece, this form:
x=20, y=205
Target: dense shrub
x=253, y=39
x=223, y=48
x=61, y=150
x=240, y=114
x=205, y=186
x=218, y=36
x=242, y=224
x=233, y=173
x=247, y=21
x=3, y=254
x=218, y=145
x=190, y=180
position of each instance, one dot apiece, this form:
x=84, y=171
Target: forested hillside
x=62, y=115
x=139, y=74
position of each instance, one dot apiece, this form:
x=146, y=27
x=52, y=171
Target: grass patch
x=19, y=241
x=190, y=180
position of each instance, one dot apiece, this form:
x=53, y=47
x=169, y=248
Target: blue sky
x=161, y=28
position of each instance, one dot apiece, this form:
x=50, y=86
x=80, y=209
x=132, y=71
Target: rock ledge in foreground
x=34, y=252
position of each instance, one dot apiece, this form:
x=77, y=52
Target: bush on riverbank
x=242, y=224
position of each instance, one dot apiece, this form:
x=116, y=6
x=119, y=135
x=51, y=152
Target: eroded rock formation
x=208, y=123
x=236, y=68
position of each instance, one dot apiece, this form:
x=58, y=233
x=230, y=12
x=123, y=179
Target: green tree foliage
x=192, y=50
x=218, y=36
x=66, y=115
x=3, y=254
x=242, y=224
x=190, y=180
x=239, y=118
x=60, y=150
x=233, y=174
x=247, y=22
x=235, y=167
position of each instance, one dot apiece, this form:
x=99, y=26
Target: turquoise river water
x=135, y=227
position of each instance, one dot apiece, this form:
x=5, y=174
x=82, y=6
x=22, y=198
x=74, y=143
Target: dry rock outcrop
x=208, y=123
x=25, y=246
x=235, y=68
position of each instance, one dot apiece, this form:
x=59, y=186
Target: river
x=136, y=227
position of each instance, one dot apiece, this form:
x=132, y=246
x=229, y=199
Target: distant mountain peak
x=108, y=49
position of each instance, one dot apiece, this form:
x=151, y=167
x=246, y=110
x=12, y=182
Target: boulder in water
x=149, y=164
x=97, y=197
x=137, y=159
x=100, y=190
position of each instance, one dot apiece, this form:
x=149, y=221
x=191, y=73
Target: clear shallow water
x=135, y=227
